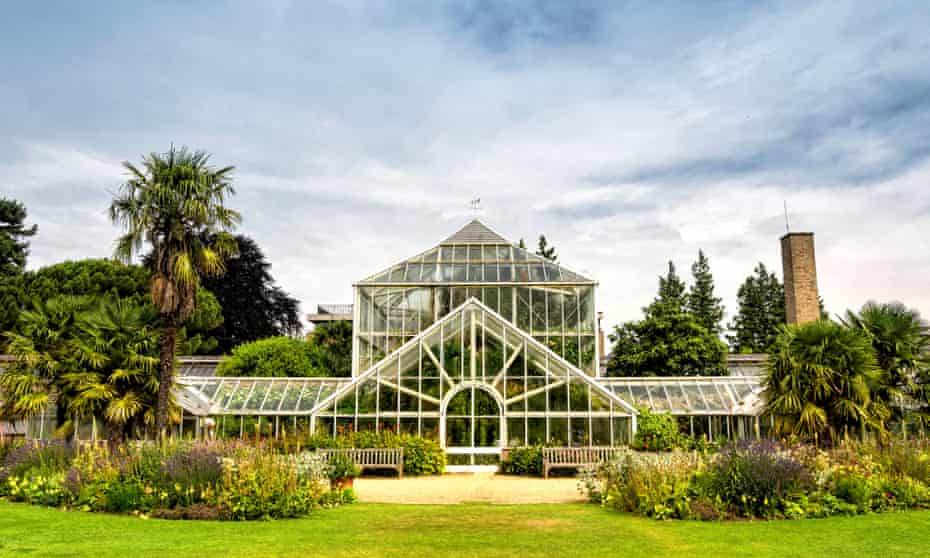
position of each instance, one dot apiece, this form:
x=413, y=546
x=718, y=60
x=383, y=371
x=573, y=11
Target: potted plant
x=342, y=471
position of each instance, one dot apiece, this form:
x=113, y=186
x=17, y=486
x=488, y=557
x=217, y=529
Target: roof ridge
x=475, y=232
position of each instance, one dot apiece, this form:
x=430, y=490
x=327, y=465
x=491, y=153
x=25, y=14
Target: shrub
x=273, y=357
x=523, y=460
x=653, y=485
x=657, y=432
x=258, y=484
x=341, y=466
x=422, y=456
x=756, y=478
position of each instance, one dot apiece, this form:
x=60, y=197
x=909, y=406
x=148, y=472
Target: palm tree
x=44, y=351
x=118, y=380
x=819, y=382
x=901, y=340
x=175, y=203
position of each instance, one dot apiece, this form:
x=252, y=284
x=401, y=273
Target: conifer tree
x=671, y=292
x=761, y=300
x=701, y=302
x=14, y=246
x=545, y=250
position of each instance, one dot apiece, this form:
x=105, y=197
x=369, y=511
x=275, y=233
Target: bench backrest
x=578, y=456
x=368, y=456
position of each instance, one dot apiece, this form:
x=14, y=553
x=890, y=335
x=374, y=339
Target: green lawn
x=465, y=530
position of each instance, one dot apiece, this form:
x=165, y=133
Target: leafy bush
x=657, y=432
x=273, y=357
x=523, y=460
x=755, y=478
x=653, y=485
x=422, y=456
x=341, y=466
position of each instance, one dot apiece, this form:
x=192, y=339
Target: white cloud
x=360, y=135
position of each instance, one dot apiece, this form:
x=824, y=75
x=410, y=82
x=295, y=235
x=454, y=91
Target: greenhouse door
x=473, y=428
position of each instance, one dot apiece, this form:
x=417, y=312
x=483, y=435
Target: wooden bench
x=564, y=458
x=370, y=458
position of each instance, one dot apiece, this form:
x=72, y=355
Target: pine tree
x=545, y=250
x=701, y=302
x=521, y=244
x=671, y=293
x=13, y=234
x=761, y=300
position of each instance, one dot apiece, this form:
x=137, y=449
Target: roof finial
x=475, y=206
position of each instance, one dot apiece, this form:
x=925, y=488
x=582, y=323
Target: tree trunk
x=167, y=342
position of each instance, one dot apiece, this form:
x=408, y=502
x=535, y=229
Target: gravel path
x=467, y=487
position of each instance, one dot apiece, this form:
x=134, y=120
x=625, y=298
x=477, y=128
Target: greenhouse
x=483, y=346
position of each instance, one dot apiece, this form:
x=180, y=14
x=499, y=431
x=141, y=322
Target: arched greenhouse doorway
x=473, y=427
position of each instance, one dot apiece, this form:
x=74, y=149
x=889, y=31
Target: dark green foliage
x=253, y=306
x=98, y=354
x=90, y=277
x=333, y=347
x=523, y=460
x=820, y=380
x=706, y=308
x=545, y=250
x=667, y=343
x=273, y=357
x=422, y=456
x=12, y=298
x=657, y=431
x=14, y=246
x=901, y=341
x=108, y=279
x=341, y=466
x=671, y=295
x=761, y=310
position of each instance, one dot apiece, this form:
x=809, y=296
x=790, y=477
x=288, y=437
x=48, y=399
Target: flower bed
x=764, y=479
x=216, y=480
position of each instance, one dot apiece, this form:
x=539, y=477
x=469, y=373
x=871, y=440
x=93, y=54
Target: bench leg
x=545, y=471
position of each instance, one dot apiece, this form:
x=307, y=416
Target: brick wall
x=802, y=301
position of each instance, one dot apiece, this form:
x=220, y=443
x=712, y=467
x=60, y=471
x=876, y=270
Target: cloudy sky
x=629, y=132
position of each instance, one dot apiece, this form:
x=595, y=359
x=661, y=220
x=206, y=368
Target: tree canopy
x=253, y=307
x=546, y=250
x=14, y=235
x=821, y=381
x=706, y=308
x=760, y=313
x=333, y=342
x=900, y=339
x=273, y=357
x=176, y=202
x=668, y=341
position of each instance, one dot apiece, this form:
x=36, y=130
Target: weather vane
x=475, y=205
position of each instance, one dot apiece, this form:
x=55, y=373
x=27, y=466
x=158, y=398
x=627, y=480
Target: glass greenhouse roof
x=475, y=254
x=691, y=395
x=215, y=395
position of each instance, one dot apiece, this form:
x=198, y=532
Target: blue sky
x=629, y=132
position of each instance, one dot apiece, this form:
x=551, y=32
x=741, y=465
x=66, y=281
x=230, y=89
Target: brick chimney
x=802, y=301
